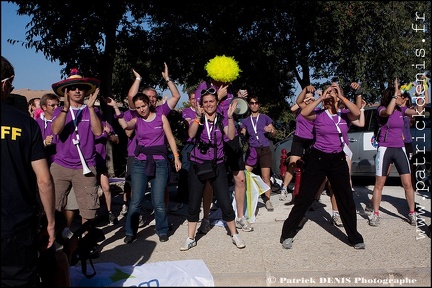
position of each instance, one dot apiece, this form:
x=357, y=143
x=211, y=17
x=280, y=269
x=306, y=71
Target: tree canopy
x=279, y=45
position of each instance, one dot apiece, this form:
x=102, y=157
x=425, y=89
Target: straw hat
x=75, y=78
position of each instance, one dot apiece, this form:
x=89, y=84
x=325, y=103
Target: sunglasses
x=8, y=80
x=253, y=103
x=208, y=91
x=79, y=87
x=54, y=105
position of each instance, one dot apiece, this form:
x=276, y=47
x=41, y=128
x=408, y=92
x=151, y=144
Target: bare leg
x=239, y=192
x=104, y=183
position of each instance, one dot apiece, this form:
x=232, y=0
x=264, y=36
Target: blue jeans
x=139, y=186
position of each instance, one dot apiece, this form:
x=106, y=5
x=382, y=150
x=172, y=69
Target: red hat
x=74, y=79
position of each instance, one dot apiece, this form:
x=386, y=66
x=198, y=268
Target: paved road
x=396, y=254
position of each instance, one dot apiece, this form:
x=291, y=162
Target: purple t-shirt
x=304, y=127
x=132, y=113
x=257, y=136
x=67, y=153
x=393, y=136
x=189, y=113
x=45, y=126
x=214, y=131
x=327, y=135
x=150, y=133
x=101, y=142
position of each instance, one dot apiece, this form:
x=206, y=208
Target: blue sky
x=32, y=70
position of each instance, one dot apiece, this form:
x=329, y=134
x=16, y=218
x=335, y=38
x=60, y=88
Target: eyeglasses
x=9, y=81
x=74, y=87
x=54, y=105
x=208, y=91
x=253, y=103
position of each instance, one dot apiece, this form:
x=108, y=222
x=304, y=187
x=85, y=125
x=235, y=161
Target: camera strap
x=84, y=268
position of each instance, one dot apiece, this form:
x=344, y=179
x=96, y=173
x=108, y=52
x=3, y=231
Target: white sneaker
x=124, y=210
x=283, y=194
x=238, y=241
x=243, y=223
x=189, y=243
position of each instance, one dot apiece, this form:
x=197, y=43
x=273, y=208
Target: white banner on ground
x=182, y=273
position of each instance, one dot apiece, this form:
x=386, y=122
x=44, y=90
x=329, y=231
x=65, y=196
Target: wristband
x=230, y=117
x=138, y=78
x=361, y=109
x=197, y=121
x=167, y=80
x=176, y=155
x=63, y=111
x=345, y=100
x=119, y=116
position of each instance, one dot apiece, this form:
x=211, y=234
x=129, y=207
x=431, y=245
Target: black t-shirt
x=21, y=143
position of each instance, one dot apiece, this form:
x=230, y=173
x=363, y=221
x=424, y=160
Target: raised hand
x=137, y=75
x=92, y=98
x=165, y=74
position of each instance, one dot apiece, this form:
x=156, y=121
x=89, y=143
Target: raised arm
x=175, y=94
x=133, y=90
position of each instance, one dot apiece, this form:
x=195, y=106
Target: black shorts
x=300, y=146
x=234, y=155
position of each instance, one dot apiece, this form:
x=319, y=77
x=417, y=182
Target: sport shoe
x=269, y=205
x=176, y=207
x=129, y=239
x=336, y=220
x=204, y=227
x=163, y=238
x=283, y=194
x=369, y=207
x=287, y=243
x=244, y=224
x=112, y=219
x=141, y=221
x=359, y=246
x=374, y=220
x=238, y=241
x=189, y=243
x=124, y=210
x=412, y=219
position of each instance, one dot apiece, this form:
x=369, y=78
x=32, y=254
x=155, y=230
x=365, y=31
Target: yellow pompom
x=222, y=68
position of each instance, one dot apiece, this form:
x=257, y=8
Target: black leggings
x=220, y=190
x=318, y=166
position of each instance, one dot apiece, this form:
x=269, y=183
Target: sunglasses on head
x=208, y=91
x=8, y=80
x=79, y=87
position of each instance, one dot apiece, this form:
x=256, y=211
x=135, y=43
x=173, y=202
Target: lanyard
x=254, y=126
x=75, y=120
x=45, y=120
x=337, y=125
x=209, y=129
